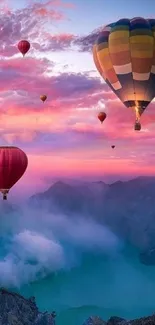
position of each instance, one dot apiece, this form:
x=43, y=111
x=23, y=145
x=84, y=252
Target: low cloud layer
x=41, y=243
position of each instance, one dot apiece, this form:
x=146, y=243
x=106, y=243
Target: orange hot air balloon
x=43, y=98
x=102, y=116
x=13, y=163
x=23, y=46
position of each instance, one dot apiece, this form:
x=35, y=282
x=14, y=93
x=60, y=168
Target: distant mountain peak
x=117, y=183
x=59, y=184
x=99, y=182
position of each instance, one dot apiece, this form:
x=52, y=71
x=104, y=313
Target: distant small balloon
x=23, y=46
x=102, y=116
x=43, y=98
x=112, y=147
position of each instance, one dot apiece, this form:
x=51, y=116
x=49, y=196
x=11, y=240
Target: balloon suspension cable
x=137, y=121
x=137, y=114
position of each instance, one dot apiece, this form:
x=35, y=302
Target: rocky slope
x=16, y=310
x=121, y=321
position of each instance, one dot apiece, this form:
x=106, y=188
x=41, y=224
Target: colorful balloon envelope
x=124, y=54
x=43, y=98
x=102, y=116
x=13, y=164
x=23, y=46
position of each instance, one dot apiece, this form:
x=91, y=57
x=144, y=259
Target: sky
x=63, y=137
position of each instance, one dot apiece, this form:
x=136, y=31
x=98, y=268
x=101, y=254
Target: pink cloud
x=59, y=42
x=60, y=3
x=27, y=80
x=62, y=37
x=4, y=7
x=66, y=94
x=70, y=166
x=43, y=12
x=23, y=136
x=46, y=10
x=24, y=23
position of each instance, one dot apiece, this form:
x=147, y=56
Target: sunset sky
x=63, y=137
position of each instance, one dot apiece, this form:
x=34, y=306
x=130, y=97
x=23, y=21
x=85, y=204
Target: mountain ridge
x=126, y=207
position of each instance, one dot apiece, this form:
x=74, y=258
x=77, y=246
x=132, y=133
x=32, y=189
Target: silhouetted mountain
x=128, y=208
x=70, y=199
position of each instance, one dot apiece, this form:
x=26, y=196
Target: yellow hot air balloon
x=124, y=54
x=43, y=98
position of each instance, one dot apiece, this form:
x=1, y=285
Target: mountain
x=17, y=310
x=71, y=199
x=128, y=208
x=120, y=321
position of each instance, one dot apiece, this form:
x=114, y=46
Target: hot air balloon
x=23, y=47
x=124, y=54
x=43, y=98
x=112, y=147
x=102, y=116
x=13, y=163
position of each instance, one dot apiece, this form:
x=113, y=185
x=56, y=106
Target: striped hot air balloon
x=124, y=54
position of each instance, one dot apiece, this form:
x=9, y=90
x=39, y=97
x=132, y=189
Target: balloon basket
x=137, y=126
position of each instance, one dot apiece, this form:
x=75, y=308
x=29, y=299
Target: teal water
x=102, y=286
x=76, y=267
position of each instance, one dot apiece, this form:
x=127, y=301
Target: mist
x=73, y=262
x=35, y=244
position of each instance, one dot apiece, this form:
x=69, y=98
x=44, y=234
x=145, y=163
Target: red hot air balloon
x=102, y=116
x=13, y=163
x=23, y=46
